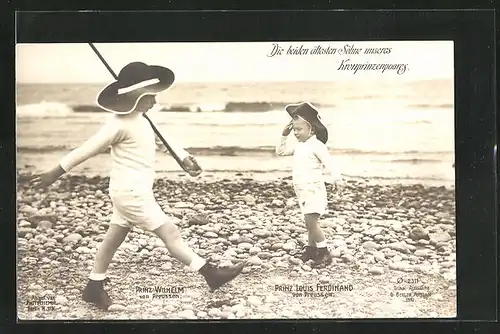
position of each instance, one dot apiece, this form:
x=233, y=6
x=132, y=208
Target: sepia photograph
x=235, y=180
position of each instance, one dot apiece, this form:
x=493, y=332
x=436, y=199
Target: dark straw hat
x=134, y=81
x=309, y=113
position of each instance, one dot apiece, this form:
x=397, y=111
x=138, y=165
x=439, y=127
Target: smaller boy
x=310, y=158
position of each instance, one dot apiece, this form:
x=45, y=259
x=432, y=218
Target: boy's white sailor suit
x=311, y=162
x=133, y=149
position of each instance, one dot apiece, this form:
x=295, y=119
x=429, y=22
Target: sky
x=231, y=62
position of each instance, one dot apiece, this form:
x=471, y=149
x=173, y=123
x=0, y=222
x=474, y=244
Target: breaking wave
x=55, y=109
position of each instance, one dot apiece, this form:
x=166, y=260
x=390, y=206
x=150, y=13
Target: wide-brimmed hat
x=134, y=81
x=310, y=114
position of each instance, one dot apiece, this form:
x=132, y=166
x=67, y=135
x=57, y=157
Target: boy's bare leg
x=315, y=233
x=114, y=237
x=311, y=251
x=318, y=237
x=310, y=235
x=94, y=292
x=171, y=237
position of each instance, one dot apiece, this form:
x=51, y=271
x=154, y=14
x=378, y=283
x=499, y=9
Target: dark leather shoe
x=324, y=257
x=217, y=277
x=310, y=253
x=94, y=293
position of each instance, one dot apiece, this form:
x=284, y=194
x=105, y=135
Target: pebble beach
x=393, y=247
x=391, y=231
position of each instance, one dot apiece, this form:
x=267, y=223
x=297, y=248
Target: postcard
x=249, y=180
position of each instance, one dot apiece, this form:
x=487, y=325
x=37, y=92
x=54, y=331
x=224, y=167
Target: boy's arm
x=107, y=135
x=321, y=152
x=282, y=148
x=110, y=133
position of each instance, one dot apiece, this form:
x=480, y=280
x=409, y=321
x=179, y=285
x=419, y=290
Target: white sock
x=196, y=263
x=321, y=244
x=97, y=277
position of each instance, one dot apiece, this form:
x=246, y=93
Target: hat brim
x=321, y=130
x=291, y=108
x=109, y=98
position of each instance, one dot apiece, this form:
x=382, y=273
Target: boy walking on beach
x=133, y=147
x=310, y=159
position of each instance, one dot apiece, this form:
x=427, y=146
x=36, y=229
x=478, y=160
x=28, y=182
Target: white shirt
x=133, y=149
x=311, y=161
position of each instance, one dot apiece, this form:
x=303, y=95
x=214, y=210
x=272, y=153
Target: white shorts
x=312, y=197
x=138, y=209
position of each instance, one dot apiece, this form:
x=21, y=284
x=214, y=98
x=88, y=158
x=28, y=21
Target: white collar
x=310, y=138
